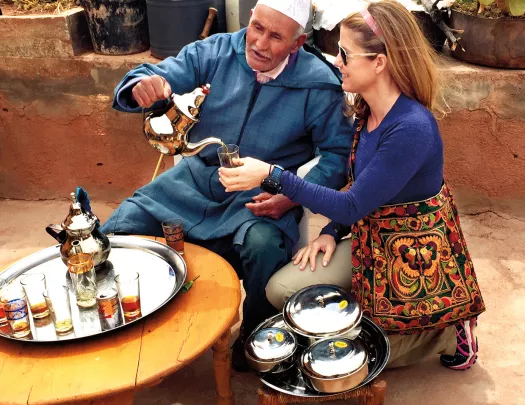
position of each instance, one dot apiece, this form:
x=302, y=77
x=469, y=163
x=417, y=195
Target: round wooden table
x=109, y=369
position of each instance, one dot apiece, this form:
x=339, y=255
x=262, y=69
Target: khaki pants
x=404, y=349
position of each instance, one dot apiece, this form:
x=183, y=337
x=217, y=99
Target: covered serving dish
x=335, y=365
x=321, y=311
x=271, y=350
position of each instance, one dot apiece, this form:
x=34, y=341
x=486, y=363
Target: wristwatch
x=272, y=183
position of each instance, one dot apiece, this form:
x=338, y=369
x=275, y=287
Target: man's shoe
x=239, y=362
x=467, y=347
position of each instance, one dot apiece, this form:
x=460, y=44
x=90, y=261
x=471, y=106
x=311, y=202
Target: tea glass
x=3, y=319
x=34, y=286
x=226, y=156
x=57, y=299
x=128, y=287
x=174, y=234
x=14, y=303
x=83, y=278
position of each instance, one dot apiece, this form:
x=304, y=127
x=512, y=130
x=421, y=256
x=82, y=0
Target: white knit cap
x=297, y=10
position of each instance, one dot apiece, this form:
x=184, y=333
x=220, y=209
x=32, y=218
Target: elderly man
x=275, y=100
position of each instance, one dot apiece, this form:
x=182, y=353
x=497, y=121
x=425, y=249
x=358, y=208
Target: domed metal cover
x=322, y=310
x=334, y=358
x=271, y=344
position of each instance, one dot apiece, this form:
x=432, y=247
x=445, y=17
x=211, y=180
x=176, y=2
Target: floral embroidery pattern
x=411, y=269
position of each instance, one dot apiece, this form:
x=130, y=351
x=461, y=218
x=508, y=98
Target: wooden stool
x=371, y=394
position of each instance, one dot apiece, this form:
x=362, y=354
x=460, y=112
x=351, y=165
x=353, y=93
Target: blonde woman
x=406, y=260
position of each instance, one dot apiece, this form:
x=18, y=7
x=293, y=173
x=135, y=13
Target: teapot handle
x=57, y=232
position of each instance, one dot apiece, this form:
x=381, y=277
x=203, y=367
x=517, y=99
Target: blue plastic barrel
x=174, y=24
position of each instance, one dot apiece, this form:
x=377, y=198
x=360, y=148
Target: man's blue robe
x=280, y=122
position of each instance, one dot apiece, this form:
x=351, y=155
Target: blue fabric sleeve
x=401, y=153
x=184, y=73
x=331, y=134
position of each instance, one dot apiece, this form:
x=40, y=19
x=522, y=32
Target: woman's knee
x=275, y=293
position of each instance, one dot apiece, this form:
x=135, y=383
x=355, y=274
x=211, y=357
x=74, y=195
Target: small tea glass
x=3, y=319
x=57, y=299
x=14, y=303
x=174, y=234
x=83, y=278
x=227, y=154
x=34, y=286
x=128, y=287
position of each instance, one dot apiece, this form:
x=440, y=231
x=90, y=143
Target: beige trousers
x=404, y=349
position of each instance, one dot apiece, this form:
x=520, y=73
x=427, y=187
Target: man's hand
x=323, y=243
x=272, y=206
x=151, y=89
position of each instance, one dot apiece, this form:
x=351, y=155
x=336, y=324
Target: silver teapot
x=167, y=130
x=81, y=225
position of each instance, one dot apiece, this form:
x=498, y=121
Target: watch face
x=272, y=183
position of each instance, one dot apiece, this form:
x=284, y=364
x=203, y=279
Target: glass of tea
x=34, y=287
x=128, y=287
x=226, y=153
x=14, y=303
x=57, y=299
x=174, y=234
x=3, y=319
x=83, y=278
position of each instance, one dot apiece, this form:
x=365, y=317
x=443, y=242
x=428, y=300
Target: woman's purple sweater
x=399, y=161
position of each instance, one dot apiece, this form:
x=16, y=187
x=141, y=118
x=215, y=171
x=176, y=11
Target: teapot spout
x=192, y=149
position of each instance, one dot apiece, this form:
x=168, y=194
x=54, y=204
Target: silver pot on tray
x=335, y=365
x=271, y=350
x=322, y=311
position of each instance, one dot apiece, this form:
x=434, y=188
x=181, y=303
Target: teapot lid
x=322, y=310
x=189, y=103
x=270, y=344
x=332, y=358
x=77, y=219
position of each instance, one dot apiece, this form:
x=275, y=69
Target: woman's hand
x=324, y=243
x=249, y=174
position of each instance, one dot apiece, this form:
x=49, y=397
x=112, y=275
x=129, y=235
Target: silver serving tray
x=292, y=382
x=162, y=274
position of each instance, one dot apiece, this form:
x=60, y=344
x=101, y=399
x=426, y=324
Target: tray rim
x=115, y=240
x=367, y=380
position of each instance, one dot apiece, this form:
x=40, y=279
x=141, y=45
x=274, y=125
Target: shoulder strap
x=355, y=142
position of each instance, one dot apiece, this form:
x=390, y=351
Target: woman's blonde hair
x=411, y=60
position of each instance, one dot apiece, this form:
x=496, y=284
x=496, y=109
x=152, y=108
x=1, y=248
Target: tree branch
x=430, y=7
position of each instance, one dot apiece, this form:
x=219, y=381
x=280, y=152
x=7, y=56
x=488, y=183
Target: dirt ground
x=496, y=238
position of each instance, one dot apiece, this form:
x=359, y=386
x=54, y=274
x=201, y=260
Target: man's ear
x=251, y=13
x=298, y=43
x=381, y=63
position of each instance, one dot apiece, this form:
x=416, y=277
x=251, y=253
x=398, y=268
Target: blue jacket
x=283, y=121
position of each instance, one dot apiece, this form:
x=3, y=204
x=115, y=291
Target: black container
x=117, y=27
x=432, y=32
x=174, y=24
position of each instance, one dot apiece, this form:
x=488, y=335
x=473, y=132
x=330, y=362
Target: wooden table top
x=137, y=356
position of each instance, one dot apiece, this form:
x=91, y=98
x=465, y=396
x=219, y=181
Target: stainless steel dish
x=335, y=365
x=271, y=350
x=162, y=274
x=294, y=382
x=321, y=311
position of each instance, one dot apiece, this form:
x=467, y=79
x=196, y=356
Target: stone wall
x=484, y=134
x=58, y=130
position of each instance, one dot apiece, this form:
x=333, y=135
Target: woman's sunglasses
x=347, y=55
